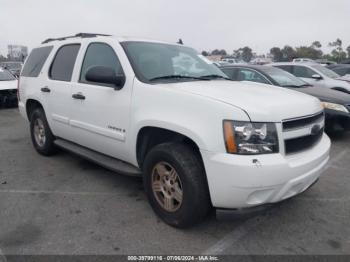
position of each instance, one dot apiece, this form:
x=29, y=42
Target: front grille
x=296, y=145
x=298, y=123
x=311, y=126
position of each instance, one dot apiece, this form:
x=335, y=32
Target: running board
x=108, y=162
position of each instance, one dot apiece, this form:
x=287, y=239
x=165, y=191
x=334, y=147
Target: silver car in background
x=315, y=74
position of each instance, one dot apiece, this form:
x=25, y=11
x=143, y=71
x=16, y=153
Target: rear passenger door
x=58, y=88
x=100, y=117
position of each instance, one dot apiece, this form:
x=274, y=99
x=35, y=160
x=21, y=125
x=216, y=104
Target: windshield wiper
x=214, y=77
x=176, y=77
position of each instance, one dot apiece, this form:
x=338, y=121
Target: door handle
x=78, y=96
x=45, y=89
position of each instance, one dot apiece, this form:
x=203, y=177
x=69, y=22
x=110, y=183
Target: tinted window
x=230, y=72
x=6, y=75
x=249, y=75
x=36, y=61
x=342, y=70
x=63, y=64
x=302, y=71
x=287, y=68
x=99, y=54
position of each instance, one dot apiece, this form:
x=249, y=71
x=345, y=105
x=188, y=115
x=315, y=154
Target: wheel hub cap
x=167, y=187
x=39, y=132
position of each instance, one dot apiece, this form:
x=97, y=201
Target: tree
x=288, y=53
x=180, y=42
x=316, y=44
x=348, y=50
x=277, y=54
x=338, y=52
x=205, y=53
x=308, y=52
x=247, y=54
x=219, y=52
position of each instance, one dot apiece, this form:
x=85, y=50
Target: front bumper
x=237, y=181
x=337, y=121
x=8, y=98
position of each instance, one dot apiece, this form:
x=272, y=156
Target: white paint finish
x=195, y=109
x=8, y=85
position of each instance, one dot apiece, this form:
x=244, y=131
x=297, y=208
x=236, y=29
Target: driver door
x=100, y=113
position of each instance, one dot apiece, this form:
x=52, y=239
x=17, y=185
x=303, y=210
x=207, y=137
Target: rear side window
x=249, y=75
x=99, y=54
x=302, y=71
x=36, y=61
x=287, y=68
x=63, y=64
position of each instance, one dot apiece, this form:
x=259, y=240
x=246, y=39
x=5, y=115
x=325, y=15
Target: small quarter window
x=36, y=61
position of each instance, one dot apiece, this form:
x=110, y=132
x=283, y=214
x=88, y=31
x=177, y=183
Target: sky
x=202, y=24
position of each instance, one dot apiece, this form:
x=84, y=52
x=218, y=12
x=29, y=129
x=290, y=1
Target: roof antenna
x=180, y=42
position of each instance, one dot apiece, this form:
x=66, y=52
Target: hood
x=325, y=94
x=261, y=102
x=4, y=85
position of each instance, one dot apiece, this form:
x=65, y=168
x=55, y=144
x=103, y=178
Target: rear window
x=63, y=64
x=36, y=61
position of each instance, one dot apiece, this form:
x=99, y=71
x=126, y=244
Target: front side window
x=99, y=54
x=36, y=61
x=154, y=62
x=325, y=71
x=283, y=78
x=63, y=64
x=302, y=71
x=250, y=75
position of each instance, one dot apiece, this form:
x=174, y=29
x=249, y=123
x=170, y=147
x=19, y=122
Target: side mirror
x=105, y=75
x=316, y=77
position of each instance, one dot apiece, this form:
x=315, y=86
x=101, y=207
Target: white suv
x=163, y=112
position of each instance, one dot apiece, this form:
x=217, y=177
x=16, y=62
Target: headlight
x=249, y=138
x=334, y=106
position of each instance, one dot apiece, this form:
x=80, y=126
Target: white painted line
x=234, y=236
x=11, y=191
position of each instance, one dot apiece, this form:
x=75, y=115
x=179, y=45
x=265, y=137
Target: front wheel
x=175, y=184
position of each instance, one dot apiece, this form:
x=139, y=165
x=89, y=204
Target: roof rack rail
x=81, y=35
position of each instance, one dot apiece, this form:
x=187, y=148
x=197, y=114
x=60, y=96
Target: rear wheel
x=42, y=137
x=175, y=184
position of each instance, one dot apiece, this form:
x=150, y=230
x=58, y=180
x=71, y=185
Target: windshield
x=6, y=75
x=154, y=62
x=325, y=71
x=283, y=78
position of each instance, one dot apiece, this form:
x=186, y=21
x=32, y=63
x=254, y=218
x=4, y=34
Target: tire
x=191, y=180
x=45, y=146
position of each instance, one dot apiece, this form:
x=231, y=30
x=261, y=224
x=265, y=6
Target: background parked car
x=303, y=60
x=8, y=89
x=13, y=67
x=340, y=69
x=337, y=104
x=316, y=74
